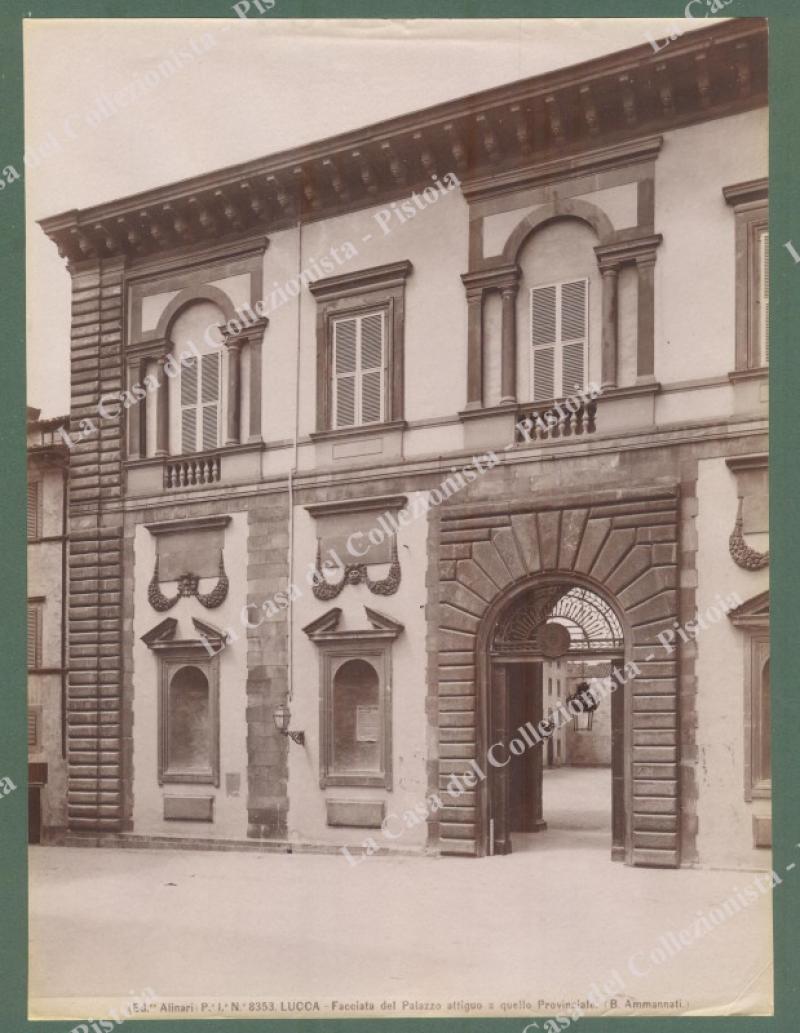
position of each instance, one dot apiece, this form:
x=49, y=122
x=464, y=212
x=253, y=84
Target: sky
x=256, y=86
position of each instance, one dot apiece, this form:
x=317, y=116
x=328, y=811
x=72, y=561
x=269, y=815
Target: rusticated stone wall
x=626, y=543
x=94, y=755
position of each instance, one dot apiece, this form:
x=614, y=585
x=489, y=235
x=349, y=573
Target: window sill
x=646, y=387
x=762, y=791
x=227, y=465
x=754, y=373
x=368, y=781
x=363, y=430
x=246, y=446
x=205, y=778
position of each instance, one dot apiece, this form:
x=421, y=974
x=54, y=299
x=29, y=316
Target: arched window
x=197, y=423
x=591, y=624
x=558, y=311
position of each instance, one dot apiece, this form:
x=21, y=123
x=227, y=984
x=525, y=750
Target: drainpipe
x=64, y=519
x=293, y=470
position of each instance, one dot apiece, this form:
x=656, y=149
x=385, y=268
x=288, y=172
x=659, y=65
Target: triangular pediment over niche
x=161, y=638
x=754, y=613
x=326, y=628
x=163, y=632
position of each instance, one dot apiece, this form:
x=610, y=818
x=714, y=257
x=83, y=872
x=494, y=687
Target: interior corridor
x=577, y=809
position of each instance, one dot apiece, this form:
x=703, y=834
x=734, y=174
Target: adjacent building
x=369, y=434
x=48, y=480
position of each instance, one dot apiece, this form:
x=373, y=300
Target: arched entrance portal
x=554, y=696
x=623, y=545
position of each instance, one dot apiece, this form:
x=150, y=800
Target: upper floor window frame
x=750, y=203
x=358, y=368
x=352, y=299
x=162, y=374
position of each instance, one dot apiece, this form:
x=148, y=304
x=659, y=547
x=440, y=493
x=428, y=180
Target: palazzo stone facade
x=334, y=489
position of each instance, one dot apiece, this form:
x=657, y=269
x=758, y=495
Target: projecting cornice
x=551, y=118
x=754, y=191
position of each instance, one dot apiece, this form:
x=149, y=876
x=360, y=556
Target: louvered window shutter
x=573, y=337
x=34, y=636
x=33, y=728
x=763, y=298
x=189, y=378
x=345, y=371
x=359, y=361
x=372, y=363
x=33, y=510
x=543, y=342
x=210, y=369
x=200, y=403
x=559, y=339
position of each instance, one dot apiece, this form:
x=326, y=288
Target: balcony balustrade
x=563, y=418
x=189, y=470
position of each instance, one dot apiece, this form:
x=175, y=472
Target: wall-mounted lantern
x=582, y=705
x=282, y=716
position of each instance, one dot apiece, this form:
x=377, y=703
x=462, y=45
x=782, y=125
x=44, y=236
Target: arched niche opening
x=189, y=736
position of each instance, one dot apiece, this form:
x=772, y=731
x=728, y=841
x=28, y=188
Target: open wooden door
x=617, y=768
x=499, y=778
x=525, y=769
x=34, y=814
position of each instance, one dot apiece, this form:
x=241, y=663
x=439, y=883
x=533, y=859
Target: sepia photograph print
x=398, y=607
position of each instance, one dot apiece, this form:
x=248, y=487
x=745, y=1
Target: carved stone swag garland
x=187, y=587
x=356, y=574
x=742, y=554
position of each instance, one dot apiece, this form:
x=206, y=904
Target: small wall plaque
x=367, y=724
x=188, y=808
x=362, y=814
x=762, y=832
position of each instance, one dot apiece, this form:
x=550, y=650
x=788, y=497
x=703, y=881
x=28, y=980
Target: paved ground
x=542, y=924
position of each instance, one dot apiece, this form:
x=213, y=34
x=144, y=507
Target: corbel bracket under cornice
x=503, y=135
x=600, y=159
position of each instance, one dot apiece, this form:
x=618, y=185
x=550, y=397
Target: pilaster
x=94, y=693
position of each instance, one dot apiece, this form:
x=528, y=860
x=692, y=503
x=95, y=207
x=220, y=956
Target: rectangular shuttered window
x=33, y=727
x=763, y=298
x=34, y=510
x=359, y=360
x=559, y=339
x=200, y=395
x=34, y=636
